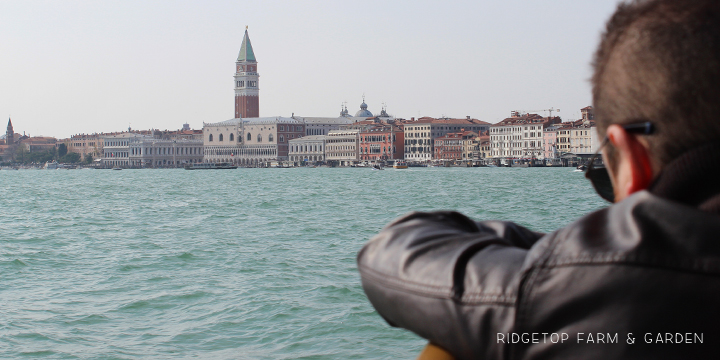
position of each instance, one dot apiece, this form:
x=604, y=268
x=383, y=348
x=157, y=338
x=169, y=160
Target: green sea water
x=229, y=264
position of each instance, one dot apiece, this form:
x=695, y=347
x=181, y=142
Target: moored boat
x=210, y=166
x=52, y=165
x=400, y=165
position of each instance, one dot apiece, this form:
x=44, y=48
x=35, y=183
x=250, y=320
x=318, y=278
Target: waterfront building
x=420, y=134
x=483, y=146
x=418, y=140
x=222, y=141
x=381, y=140
x=183, y=134
x=266, y=139
x=583, y=138
x=469, y=145
x=342, y=147
x=455, y=146
x=323, y=125
x=84, y=144
x=563, y=138
x=250, y=141
x=38, y=143
x=247, y=91
x=520, y=136
x=157, y=152
x=116, y=148
x=578, y=137
x=309, y=149
x=550, y=138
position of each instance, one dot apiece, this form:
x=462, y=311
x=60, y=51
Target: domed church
x=363, y=112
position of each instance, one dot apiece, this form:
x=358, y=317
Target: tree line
x=59, y=154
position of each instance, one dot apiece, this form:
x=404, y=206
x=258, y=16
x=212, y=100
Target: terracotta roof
x=528, y=119
x=39, y=140
x=429, y=120
x=456, y=135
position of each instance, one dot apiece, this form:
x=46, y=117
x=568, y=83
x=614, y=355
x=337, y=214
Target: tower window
x=259, y=138
x=249, y=137
x=270, y=138
x=232, y=137
x=221, y=137
x=210, y=138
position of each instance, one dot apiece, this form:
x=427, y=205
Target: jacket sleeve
x=448, y=279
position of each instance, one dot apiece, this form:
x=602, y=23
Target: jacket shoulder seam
x=434, y=291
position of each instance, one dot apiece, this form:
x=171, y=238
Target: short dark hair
x=659, y=61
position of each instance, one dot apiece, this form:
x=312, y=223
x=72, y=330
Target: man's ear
x=633, y=169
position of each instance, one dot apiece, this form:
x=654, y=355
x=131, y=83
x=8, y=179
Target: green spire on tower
x=246, y=51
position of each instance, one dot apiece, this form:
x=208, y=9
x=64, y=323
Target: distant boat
x=117, y=168
x=277, y=164
x=210, y=166
x=52, y=165
x=400, y=165
x=376, y=167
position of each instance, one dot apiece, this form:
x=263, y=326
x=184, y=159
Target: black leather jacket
x=647, y=269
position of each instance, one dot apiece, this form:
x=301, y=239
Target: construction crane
x=518, y=112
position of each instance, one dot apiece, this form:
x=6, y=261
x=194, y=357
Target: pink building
x=550, y=142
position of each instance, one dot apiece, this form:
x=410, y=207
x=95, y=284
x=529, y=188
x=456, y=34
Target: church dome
x=363, y=112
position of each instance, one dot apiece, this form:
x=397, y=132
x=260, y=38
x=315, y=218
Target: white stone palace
x=250, y=141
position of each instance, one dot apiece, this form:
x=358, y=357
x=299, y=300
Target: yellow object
x=432, y=352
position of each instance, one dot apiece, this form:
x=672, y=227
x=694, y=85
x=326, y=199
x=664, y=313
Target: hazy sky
x=70, y=67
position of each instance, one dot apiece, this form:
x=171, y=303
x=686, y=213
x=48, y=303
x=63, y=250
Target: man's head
x=658, y=61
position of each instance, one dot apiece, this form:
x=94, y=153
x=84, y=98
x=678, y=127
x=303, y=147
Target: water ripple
x=246, y=264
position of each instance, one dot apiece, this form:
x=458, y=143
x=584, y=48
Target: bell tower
x=9, y=134
x=247, y=104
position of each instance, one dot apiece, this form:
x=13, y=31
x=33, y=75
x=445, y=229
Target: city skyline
x=77, y=67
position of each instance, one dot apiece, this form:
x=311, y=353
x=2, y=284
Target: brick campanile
x=9, y=134
x=247, y=104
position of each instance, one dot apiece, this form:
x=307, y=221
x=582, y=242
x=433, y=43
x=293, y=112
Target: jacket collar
x=693, y=178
